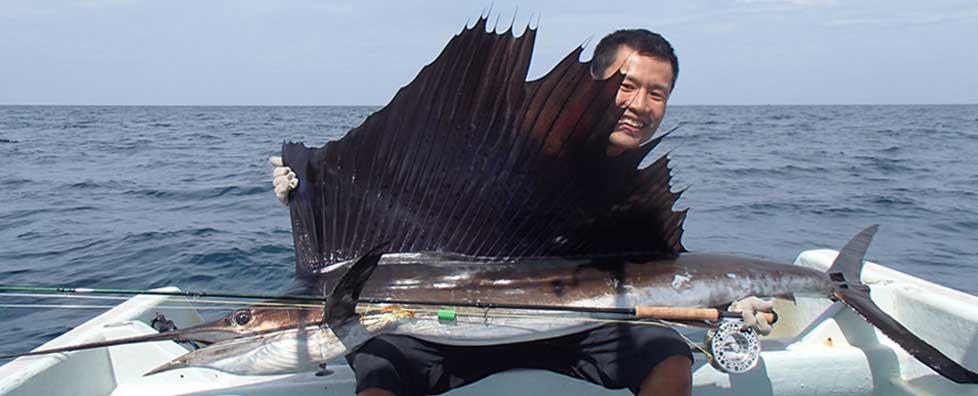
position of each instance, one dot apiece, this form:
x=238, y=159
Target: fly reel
x=734, y=346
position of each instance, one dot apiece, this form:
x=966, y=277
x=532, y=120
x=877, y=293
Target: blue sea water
x=143, y=197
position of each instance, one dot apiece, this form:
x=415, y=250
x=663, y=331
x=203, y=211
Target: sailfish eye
x=242, y=317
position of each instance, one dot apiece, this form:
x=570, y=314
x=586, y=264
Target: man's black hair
x=642, y=41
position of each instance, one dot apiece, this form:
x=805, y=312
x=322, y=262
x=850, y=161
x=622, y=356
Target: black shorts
x=614, y=356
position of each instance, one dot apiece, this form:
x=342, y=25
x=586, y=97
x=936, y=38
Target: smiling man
x=650, y=67
x=648, y=360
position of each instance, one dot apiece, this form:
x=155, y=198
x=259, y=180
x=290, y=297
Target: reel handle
x=680, y=313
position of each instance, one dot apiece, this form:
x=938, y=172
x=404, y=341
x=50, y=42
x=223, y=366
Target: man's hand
x=749, y=307
x=284, y=180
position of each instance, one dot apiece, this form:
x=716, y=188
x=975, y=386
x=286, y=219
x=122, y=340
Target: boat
x=817, y=347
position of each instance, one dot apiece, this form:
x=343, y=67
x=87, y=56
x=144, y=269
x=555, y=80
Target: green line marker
x=446, y=314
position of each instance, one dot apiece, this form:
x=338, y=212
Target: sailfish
x=474, y=185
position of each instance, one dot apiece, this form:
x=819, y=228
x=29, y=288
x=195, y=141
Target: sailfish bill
x=240, y=322
x=303, y=346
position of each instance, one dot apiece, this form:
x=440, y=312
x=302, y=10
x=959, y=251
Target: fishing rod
x=642, y=312
x=731, y=346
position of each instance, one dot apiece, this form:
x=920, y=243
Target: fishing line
x=71, y=306
x=43, y=295
x=194, y=295
x=174, y=299
x=218, y=304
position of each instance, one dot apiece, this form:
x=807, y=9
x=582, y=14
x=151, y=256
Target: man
x=649, y=360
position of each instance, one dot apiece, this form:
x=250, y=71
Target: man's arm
x=283, y=180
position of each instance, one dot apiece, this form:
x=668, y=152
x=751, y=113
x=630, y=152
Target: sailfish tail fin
x=845, y=272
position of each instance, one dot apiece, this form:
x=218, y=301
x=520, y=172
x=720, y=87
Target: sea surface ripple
x=144, y=197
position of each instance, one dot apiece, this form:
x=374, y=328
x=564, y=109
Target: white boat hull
x=817, y=348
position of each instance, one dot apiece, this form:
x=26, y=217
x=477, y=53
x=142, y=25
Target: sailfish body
x=507, y=185
x=320, y=336
x=690, y=280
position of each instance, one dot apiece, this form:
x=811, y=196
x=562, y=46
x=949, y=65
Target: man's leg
x=671, y=377
x=646, y=359
x=398, y=365
x=384, y=366
x=616, y=356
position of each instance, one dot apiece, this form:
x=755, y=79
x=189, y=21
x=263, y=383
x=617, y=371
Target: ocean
x=145, y=197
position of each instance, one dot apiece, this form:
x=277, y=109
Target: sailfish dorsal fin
x=471, y=158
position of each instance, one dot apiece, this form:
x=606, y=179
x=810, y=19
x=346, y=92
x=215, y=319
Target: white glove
x=284, y=180
x=749, y=307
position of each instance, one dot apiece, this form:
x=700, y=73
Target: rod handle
x=680, y=313
x=677, y=313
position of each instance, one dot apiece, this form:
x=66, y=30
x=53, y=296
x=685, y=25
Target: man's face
x=643, y=94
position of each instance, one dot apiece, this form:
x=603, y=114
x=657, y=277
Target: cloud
x=28, y=9
x=951, y=16
x=855, y=22
x=909, y=20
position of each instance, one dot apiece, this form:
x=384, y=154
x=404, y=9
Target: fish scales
x=690, y=280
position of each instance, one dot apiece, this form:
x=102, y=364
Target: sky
x=323, y=52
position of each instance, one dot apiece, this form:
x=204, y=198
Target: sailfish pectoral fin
x=341, y=303
x=846, y=270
